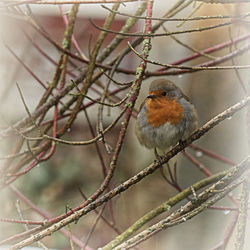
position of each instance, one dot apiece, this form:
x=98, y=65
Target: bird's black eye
x=164, y=93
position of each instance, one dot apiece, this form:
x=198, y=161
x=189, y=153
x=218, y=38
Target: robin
x=166, y=116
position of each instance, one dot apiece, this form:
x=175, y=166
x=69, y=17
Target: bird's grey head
x=166, y=87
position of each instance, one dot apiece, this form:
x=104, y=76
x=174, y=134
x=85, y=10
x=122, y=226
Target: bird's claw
x=158, y=157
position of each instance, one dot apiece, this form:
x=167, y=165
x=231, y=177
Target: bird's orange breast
x=161, y=110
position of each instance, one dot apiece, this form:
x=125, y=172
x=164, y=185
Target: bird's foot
x=182, y=144
x=157, y=156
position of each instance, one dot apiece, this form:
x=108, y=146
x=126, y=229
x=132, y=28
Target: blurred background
x=53, y=185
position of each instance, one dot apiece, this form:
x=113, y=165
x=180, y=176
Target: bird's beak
x=151, y=96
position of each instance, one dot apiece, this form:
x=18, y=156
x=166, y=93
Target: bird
x=166, y=117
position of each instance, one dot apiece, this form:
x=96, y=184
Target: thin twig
x=197, y=18
x=242, y=221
